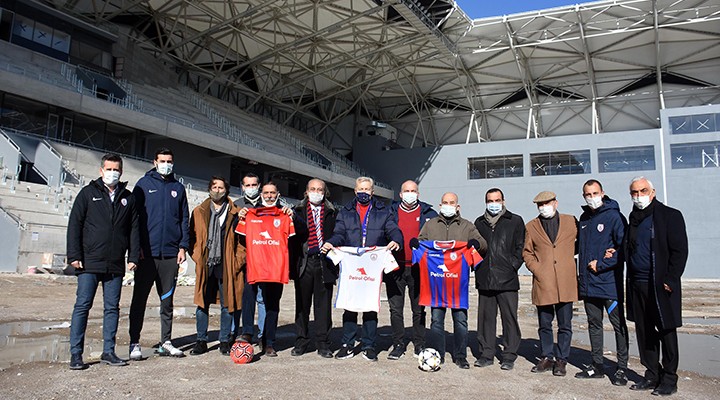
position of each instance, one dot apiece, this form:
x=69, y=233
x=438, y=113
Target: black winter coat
x=499, y=269
x=299, y=242
x=100, y=232
x=669, y=254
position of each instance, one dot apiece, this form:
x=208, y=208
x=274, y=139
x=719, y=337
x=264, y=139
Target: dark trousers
x=252, y=296
x=460, y=331
x=594, y=310
x=86, y=289
x=309, y=290
x=546, y=314
x=369, y=329
x=163, y=273
x=488, y=304
x=650, y=337
x=213, y=286
x=272, y=292
x=395, y=283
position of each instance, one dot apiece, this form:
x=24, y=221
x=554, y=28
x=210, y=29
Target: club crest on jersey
x=123, y=202
x=601, y=227
x=276, y=223
x=373, y=257
x=173, y=193
x=453, y=256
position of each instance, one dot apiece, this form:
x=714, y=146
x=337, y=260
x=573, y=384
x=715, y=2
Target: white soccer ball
x=429, y=360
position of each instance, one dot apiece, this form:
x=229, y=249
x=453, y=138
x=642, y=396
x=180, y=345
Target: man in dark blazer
x=656, y=250
x=314, y=274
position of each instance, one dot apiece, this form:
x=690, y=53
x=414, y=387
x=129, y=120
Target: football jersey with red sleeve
x=445, y=272
x=266, y=232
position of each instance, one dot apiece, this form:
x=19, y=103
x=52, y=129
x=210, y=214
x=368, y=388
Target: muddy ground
x=35, y=312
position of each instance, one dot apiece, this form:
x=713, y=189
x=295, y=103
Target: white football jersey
x=361, y=271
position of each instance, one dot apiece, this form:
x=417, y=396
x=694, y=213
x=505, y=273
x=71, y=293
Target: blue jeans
x=86, y=289
x=201, y=315
x=253, y=295
x=460, y=331
x=546, y=314
x=369, y=329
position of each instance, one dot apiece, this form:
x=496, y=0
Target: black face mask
x=363, y=198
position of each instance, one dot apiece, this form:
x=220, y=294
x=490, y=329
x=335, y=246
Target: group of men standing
x=153, y=227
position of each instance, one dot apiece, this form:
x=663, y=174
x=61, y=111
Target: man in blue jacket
x=164, y=238
x=600, y=280
x=103, y=226
x=410, y=214
x=363, y=222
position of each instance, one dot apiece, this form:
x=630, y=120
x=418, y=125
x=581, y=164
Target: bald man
x=410, y=214
x=450, y=226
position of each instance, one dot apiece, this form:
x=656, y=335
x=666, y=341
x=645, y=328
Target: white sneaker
x=135, y=352
x=167, y=349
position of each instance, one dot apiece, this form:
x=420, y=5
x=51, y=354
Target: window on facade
x=695, y=155
x=560, y=163
x=495, y=167
x=640, y=158
x=699, y=123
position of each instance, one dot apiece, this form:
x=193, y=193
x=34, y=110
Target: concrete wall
x=693, y=191
x=10, y=233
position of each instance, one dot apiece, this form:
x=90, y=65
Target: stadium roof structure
x=427, y=69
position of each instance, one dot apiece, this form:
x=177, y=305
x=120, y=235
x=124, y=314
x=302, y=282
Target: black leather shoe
x=297, y=351
x=76, y=362
x=462, y=363
x=199, y=348
x=225, y=348
x=644, y=385
x=664, y=390
x=270, y=351
x=325, y=353
x=112, y=359
x=560, y=368
x=483, y=362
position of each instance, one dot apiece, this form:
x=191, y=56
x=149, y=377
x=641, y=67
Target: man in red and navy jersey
x=450, y=226
x=410, y=214
x=265, y=232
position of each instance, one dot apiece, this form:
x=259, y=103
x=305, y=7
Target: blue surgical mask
x=494, y=208
x=363, y=197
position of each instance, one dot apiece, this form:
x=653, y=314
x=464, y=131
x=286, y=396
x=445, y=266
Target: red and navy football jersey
x=445, y=272
x=266, y=232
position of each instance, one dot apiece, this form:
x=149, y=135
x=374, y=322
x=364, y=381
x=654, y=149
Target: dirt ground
x=28, y=302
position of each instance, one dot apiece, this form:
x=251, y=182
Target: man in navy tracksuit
x=600, y=279
x=164, y=237
x=410, y=215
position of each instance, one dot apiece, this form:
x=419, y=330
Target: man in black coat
x=656, y=250
x=103, y=226
x=496, y=279
x=314, y=274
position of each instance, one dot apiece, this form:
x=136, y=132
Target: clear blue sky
x=494, y=8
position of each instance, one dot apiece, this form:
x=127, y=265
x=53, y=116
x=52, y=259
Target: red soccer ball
x=241, y=352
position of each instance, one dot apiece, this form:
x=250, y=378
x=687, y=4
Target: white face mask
x=448, y=211
x=409, y=198
x=594, y=202
x=494, y=208
x=164, y=169
x=315, y=197
x=111, y=178
x=547, y=211
x=641, y=202
x=266, y=204
x=251, y=192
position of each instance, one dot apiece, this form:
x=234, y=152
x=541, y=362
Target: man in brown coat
x=218, y=257
x=549, y=254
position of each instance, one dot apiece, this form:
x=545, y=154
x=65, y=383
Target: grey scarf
x=214, y=242
x=493, y=219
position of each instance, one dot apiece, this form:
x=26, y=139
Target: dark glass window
x=640, y=158
x=560, y=163
x=695, y=155
x=495, y=167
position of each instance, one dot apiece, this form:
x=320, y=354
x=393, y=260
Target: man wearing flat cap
x=549, y=254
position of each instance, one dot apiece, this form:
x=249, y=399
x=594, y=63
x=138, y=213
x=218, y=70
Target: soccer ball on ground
x=429, y=360
x=241, y=352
